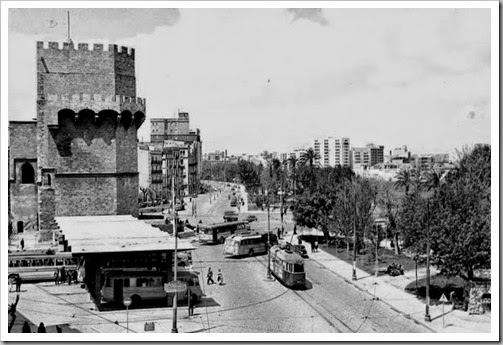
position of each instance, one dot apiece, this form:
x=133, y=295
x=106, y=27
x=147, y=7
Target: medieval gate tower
x=87, y=122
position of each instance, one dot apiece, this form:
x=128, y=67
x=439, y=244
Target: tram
x=288, y=267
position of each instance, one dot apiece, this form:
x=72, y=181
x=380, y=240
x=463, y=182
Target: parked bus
x=288, y=267
x=248, y=244
x=230, y=216
x=142, y=285
x=217, y=233
x=40, y=267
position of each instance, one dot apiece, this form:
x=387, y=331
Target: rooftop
x=124, y=233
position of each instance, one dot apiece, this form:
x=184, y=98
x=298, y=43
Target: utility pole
x=174, y=328
x=377, y=249
x=268, y=241
x=281, y=200
x=427, y=316
x=354, y=242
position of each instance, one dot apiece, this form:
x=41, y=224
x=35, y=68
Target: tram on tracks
x=288, y=267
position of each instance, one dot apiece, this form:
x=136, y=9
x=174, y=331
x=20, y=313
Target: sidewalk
x=456, y=321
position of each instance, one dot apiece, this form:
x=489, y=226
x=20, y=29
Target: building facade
x=333, y=152
x=83, y=161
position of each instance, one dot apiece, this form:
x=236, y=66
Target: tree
x=292, y=162
x=459, y=216
x=315, y=211
x=403, y=179
x=390, y=205
x=309, y=158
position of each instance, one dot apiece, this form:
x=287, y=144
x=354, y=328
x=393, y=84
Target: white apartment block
x=333, y=151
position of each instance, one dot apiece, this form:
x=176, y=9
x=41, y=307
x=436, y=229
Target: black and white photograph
x=293, y=171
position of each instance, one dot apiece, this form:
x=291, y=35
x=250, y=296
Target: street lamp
x=427, y=316
x=353, y=277
x=268, y=239
x=174, y=328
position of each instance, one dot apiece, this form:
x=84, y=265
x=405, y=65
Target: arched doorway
x=20, y=226
x=27, y=173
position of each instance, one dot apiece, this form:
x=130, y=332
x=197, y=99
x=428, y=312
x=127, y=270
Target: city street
x=247, y=302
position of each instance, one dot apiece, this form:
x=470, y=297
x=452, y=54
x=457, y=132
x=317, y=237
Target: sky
x=276, y=79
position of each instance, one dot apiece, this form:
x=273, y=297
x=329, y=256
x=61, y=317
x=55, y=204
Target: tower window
x=27, y=173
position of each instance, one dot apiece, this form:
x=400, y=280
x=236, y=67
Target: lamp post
x=174, y=328
x=377, y=249
x=427, y=316
x=353, y=277
x=268, y=239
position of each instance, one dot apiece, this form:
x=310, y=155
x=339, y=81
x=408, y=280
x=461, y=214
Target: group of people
x=209, y=277
x=61, y=276
x=15, y=280
x=41, y=328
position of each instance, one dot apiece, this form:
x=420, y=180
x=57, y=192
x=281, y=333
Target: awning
x=124, y=233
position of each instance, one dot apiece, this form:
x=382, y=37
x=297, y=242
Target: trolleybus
x=142, y=285
x=217, y=233
x=40, y=267
x=248, y=244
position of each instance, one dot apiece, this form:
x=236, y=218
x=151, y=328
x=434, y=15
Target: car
x=251, y=218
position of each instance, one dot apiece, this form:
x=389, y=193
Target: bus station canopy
x=123, y=233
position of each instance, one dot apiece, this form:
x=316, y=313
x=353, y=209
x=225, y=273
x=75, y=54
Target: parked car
x=251, y=218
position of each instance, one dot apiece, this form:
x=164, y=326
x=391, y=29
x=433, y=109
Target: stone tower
x=87, y=122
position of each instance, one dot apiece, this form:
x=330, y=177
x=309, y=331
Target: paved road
x=248, y=302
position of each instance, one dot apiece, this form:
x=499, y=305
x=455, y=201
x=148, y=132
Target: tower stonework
x=88, y=116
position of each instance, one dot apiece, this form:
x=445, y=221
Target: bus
x=247, y=244
x=143, y=285
x=288, y=267
x=40, y=267
x=217, y=233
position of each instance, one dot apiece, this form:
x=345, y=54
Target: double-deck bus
x=143, y=285
x=248, y=244
x=217, y=233
x=40, y=267
x=288, y=267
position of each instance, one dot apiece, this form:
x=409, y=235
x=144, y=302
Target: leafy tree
x=315, y=211
x=404, y=179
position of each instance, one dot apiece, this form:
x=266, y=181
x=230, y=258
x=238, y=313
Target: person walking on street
x=220, y=277
x=12, y=313
x=26, y=327
x=56, y=277
x=22, y=244
x=192, y=303
x=315, y=246
x=209, y=277
x=19, y=281
x=62, y=275
x=41, y=328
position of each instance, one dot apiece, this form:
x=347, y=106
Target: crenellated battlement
x=96, y=47
x=82, y=97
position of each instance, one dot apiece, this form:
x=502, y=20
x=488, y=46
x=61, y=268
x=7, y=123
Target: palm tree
x=433, y=180
x=309, y=157
x=404, y=179
x=292, y=161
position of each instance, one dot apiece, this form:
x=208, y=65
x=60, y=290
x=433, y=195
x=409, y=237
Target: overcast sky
x=274, y=79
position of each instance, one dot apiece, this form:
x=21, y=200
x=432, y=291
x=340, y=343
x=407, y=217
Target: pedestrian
x=316, y=246
x=26, y=327
x=312, y=246
x=75, y=276
x=62, y=275
x=19, y=281
x=69, y=277
x=278, y=233
x=22, y=244
x=192, y=303
x=56, y=277
x=41, y=328
x=209, y=277
x=220, y=277
x=295, y=229
x=12, y=312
